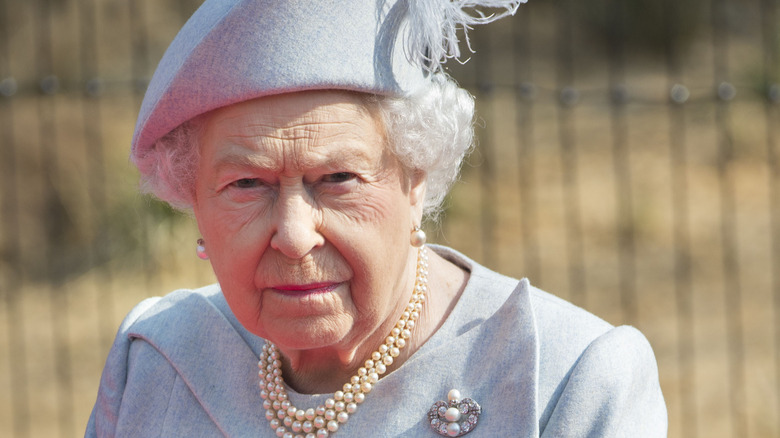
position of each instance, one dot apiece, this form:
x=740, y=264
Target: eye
x=246, y=183
x=339, y=177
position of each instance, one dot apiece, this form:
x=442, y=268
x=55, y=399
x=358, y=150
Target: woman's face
x=306, y=217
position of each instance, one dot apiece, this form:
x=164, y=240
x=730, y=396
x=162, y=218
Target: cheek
x=373, y=237
x=235, y=241
x=235, y=264
x=370, y=230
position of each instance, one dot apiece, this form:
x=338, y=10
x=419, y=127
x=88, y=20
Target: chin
x=307, y=334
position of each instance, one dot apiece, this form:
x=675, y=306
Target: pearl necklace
x=287, y=421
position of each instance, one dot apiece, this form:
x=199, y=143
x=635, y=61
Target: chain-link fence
x=627, y=161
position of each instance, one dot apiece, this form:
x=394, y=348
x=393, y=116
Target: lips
x=305, y=289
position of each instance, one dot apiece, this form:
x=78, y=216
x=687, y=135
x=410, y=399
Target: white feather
x=434, y=25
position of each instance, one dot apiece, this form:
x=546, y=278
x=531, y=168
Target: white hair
x=429, y=131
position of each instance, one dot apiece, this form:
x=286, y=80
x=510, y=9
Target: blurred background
x=628, y=161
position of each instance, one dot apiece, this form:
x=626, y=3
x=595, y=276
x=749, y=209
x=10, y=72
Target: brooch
x=454, y=417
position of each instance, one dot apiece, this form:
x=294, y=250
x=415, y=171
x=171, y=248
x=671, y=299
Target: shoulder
x=182, y=303
x=612, y=390
x=622, y=355
x=594, y=378
x=158, y=358
x=180, y=317
x=591, y=378
x=584, y=376
x=563, y=325
x=179, y=324
x=564, y=330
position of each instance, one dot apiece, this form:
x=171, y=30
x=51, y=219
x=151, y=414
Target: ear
x=417, y=189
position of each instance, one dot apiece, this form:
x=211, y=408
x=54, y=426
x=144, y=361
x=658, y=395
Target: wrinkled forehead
x=297, y=115
x=312, y=123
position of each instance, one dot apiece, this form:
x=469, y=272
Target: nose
x=296, y=223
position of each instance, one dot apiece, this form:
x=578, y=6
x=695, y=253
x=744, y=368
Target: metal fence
x=627, y=161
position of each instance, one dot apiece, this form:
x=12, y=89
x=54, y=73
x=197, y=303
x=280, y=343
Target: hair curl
x=429, y=131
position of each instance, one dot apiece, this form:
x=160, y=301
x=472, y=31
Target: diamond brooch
x=454, y=417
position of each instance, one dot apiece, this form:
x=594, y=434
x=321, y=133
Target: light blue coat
x=182, y=365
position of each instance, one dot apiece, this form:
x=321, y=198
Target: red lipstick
x=305, y=289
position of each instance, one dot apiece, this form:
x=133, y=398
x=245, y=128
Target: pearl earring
x=418, y=237
x=200, y=250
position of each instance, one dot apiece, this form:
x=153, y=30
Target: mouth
x=305, y=289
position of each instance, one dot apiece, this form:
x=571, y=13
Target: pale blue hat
x=235, y=50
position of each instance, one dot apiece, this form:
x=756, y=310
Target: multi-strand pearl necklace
x=287, y=421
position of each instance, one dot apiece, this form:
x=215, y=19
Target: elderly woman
x=309, y=140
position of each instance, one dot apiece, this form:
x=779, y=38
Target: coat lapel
x=214, y=361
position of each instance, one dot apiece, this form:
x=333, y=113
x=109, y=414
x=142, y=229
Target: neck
x=320, y=371
x=326, y=370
